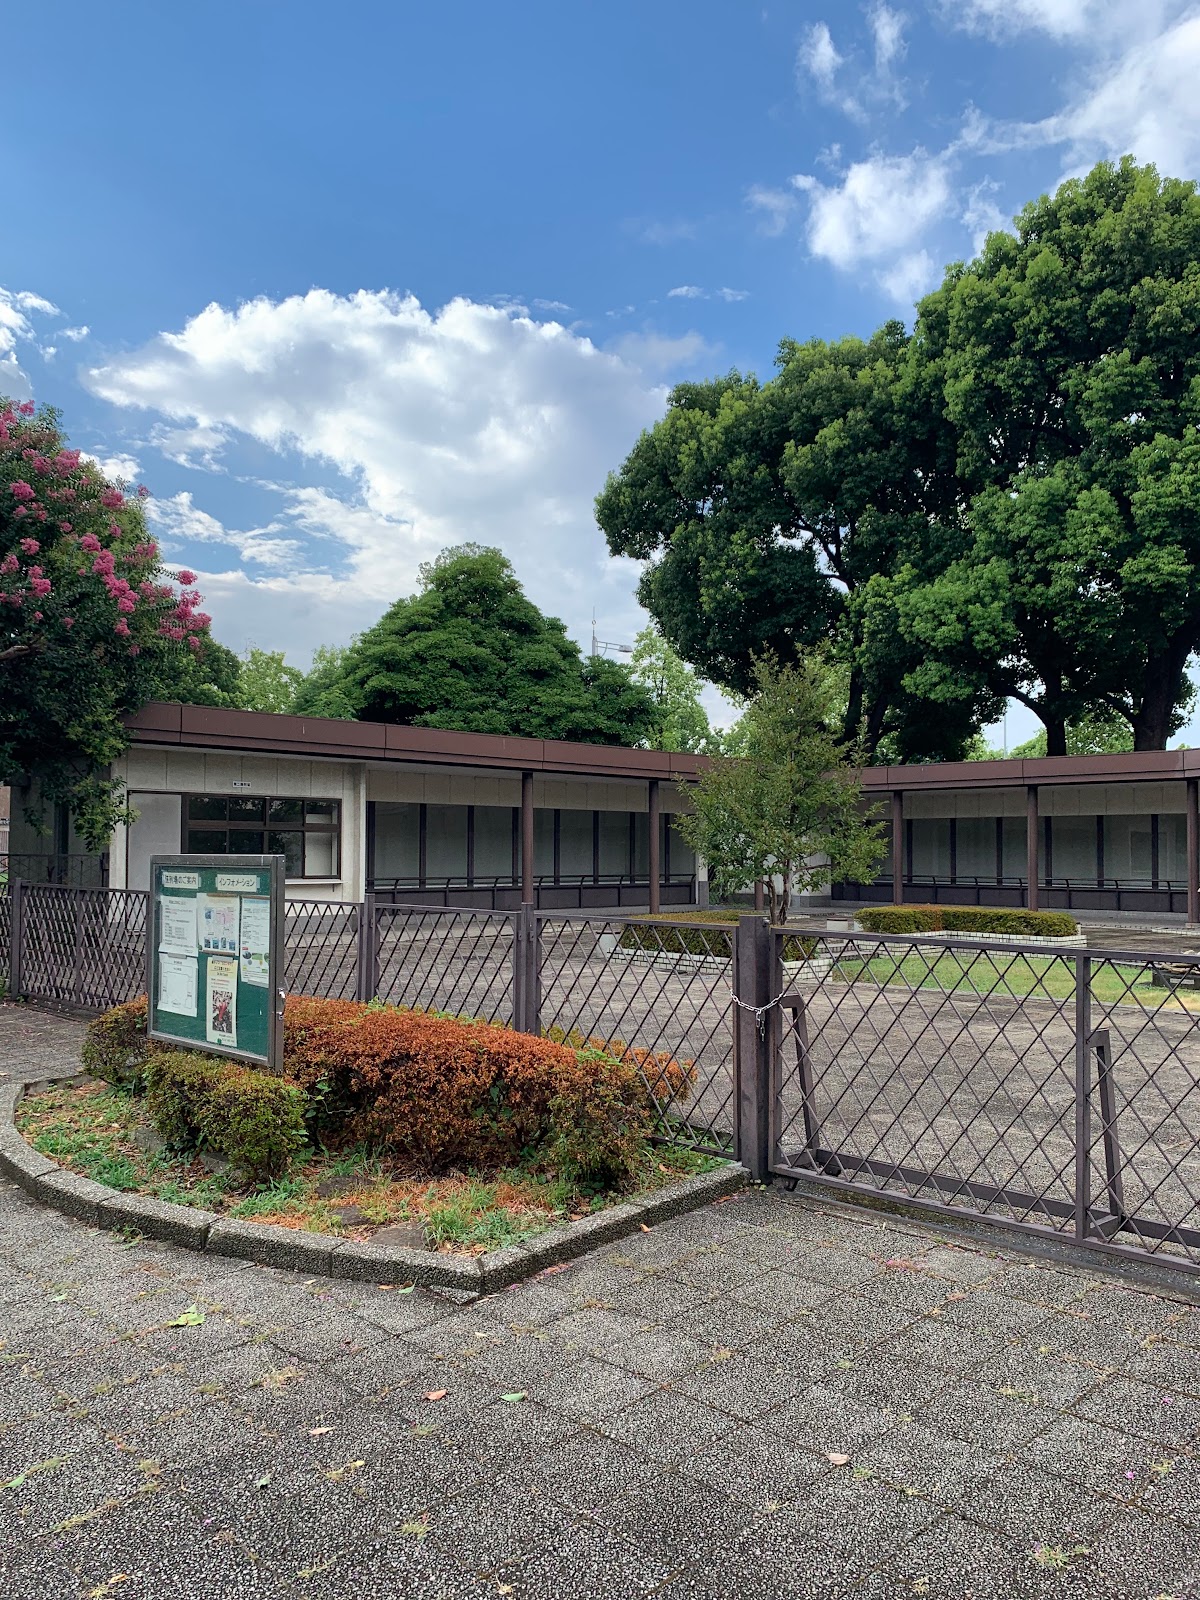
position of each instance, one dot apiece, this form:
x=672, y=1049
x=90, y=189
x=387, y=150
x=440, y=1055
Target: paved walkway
x=769, y=1398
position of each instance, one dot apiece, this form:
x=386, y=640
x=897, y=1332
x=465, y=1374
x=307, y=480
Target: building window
x=306, y=833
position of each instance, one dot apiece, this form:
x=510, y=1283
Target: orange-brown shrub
x=440, y=1090
x=668, y=1080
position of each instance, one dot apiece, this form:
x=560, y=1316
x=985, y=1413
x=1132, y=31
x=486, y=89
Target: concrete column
x=1031, y=846
x=1193, y=850
x=527, y=889
x=655, y=852
x=898, y=847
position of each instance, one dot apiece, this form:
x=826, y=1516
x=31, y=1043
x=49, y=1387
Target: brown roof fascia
x=274, y=733
x=1144, y=766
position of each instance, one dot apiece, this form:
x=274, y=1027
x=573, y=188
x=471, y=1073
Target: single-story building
x=413, y=814
x=433, y=817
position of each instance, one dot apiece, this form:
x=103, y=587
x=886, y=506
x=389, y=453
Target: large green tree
x=91, y=623
x=767, y=513
x=266, y=682
x=1068, y=355
x=470, y=651
x=1005, y=504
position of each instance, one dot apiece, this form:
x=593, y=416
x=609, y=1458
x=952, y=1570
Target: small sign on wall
x=214, y=955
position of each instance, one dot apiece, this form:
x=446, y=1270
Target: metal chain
x=760, y=1012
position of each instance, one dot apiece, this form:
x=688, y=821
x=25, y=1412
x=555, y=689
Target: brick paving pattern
x=1010, y=1428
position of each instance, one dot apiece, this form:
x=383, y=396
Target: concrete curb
x=323, y=1255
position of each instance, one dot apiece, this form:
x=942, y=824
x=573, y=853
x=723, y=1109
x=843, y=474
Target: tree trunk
x=1160, y=694
x=1056, y=735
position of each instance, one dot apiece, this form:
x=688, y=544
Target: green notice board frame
x=214, y=955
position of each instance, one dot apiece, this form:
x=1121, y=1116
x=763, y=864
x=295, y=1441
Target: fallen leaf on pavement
x=437, y=1394
x=518, y=1394
x=314, y=1433
x=836, y=1460
x=191, y=1318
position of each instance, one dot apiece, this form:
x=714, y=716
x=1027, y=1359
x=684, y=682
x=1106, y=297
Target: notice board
x=214, y=955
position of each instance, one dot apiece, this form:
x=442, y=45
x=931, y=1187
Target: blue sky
x=345, y=285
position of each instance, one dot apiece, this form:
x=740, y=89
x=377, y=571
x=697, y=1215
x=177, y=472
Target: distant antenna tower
x=599, y=646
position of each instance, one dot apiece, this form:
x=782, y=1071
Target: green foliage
x=469, y=651
x=323, y=691
x=253, y=1119
x=210, y=678
x=967, y=919
x=91, y=624
x=680, y=720
x=788, y=810
x=266, y=682
x=115, y=1045
x=1004, y=505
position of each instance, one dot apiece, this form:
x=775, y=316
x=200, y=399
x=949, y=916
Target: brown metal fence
x=1055, y=1091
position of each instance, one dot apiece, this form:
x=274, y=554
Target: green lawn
x=1049, y=977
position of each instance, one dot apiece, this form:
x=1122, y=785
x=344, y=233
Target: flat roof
x=275, y=733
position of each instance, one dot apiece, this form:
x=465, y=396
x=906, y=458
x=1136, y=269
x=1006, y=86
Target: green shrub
x=115, y=1046
x=703, y=936
x=968, y=919
x=253, y=1119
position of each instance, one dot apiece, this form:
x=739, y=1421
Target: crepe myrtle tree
x=788, y=808
x=91, y=624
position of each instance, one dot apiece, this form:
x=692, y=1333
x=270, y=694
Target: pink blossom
x=41, y=588
x=26, y=408
x=127, y=604
x=186, y=577
x=10, y=563
x=143, y=492
x=112, y=497
x=89, y=542
x=121, y=626
x=68, y=622
x=21, y=511
x=65, y=526
x=40, y=514
x=114, y=530
x=30, y=546
x=135, y=649
x=23, y=491
x=193, y=643
x=37, y=616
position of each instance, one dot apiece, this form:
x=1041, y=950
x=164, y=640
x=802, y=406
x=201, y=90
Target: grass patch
x=93, y=1129
x=1019, y=976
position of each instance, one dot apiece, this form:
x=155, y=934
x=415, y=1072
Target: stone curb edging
x=324, y=1255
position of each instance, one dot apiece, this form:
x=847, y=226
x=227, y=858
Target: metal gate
x=1057, y=1092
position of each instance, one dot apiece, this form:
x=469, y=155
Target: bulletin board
x=214, y=955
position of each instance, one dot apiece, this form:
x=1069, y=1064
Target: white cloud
x=120, y=466
x=177, y=521
x=686, y=291
x=1144, y=102
x=909, y=277
x=818, y=56
x=75, y=334
x=981, y=215
x=17, y=309
x=879, y=211
x=471, y=422
x=775, y=208
x=887, y=28
x=733, y=295
x=552, y=305
x=1065, y=20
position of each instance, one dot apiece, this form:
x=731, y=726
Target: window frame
x=220, y=830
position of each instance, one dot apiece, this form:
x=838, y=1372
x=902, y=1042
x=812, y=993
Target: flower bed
x=469, y=1134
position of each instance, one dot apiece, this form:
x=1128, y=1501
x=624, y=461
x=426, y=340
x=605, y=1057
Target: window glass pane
x=285, y=811
x=245, y=841
x=290, y=847
x=320, y=855
x=206, y=843
x=207, y=808
x=320, y=811
x=243, y=809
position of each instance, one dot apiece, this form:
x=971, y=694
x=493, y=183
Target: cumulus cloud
x=121, y=466
x=1065, y=20
x=878, y=213
x=818, y=57
x=178, y=522
x=686, y=291
x=75, y=334
x=469, y=422
x=18, y=307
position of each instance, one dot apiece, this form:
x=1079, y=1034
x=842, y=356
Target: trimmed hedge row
x=435, y=1089
x=707, y=938
x=967, y=919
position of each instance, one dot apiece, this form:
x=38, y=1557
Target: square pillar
x=1193, y=851
x=1031, y=846
x=655, y=852
x=527, y=889
x=897, y=847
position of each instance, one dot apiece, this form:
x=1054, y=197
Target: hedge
x=699, y=938
x=254, y=1119
x=437, y=1090
x=967, y=919
x=115, y=1046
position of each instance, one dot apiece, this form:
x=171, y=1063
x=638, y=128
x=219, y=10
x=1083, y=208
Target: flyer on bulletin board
x=256, y=940
x=220, y=1011
x=177, y=926
x=217, y=923
x=177, y=984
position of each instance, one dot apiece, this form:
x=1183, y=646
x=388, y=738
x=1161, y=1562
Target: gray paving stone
x=667, y=1427
x=1142, y=1411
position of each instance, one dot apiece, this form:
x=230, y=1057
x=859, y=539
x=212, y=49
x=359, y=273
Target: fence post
x=752, y=1034
x=16, y=891
x=1083, y=1095
x=368, y=950
x=527, y=973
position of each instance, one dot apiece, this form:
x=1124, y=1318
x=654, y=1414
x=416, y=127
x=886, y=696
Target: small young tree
x=787, y=810
x=680, y=720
